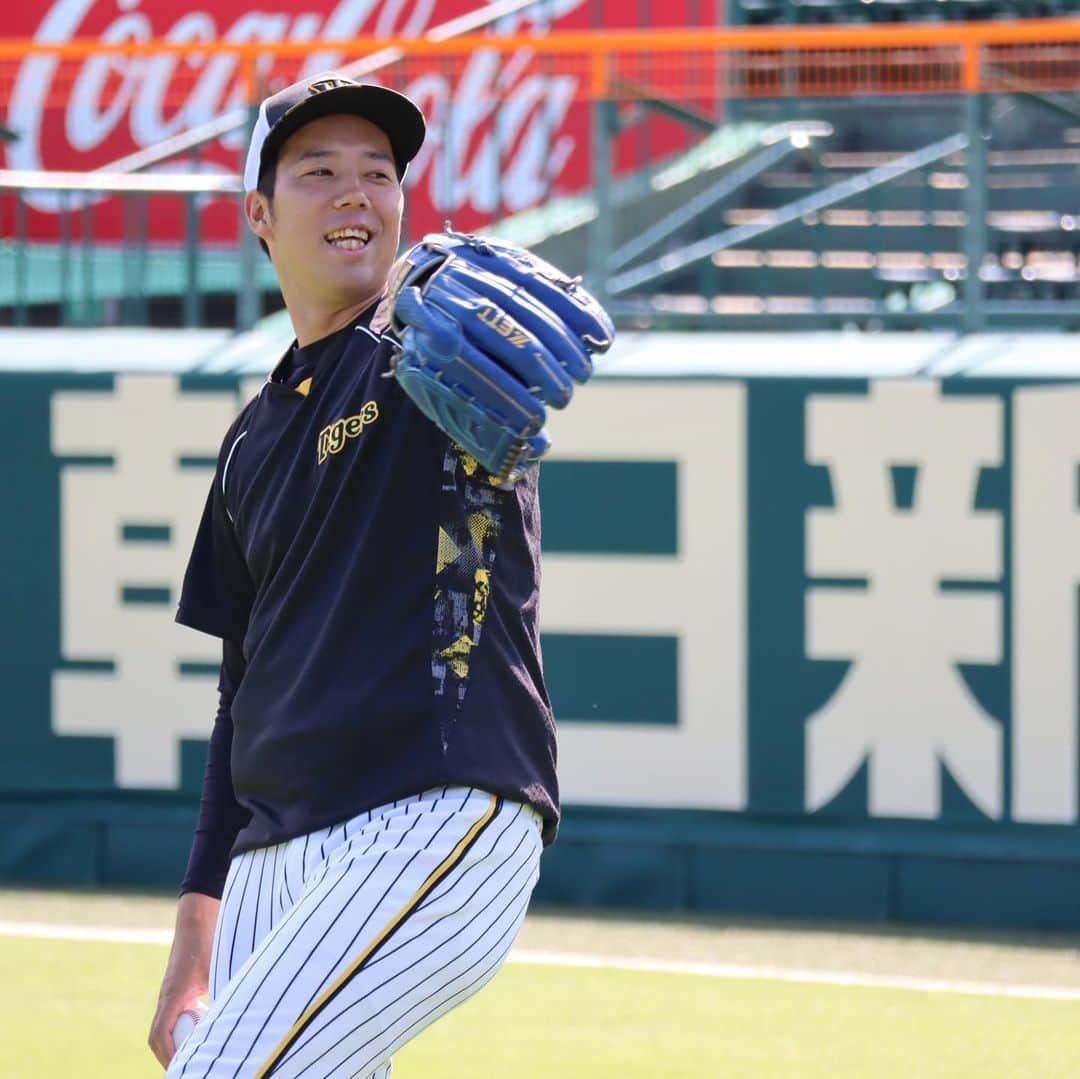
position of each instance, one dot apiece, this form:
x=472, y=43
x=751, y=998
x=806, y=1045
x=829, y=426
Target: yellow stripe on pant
x=437, y=874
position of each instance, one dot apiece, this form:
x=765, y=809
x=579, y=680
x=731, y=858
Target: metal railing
x=674, y=65
x=89, y=282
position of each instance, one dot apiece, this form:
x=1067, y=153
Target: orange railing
x=942, y=58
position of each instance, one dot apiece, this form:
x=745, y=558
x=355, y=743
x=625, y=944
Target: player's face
x=335, y=221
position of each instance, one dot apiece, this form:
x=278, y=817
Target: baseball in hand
x=186, y=1022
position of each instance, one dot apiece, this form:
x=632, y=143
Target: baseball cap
x=321, y=95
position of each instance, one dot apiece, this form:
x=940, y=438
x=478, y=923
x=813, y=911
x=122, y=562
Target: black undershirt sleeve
x=220, y=816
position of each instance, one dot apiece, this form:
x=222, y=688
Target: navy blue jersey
x=383, y=594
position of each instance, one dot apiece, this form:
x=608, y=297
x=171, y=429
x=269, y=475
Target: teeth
x=349, y=233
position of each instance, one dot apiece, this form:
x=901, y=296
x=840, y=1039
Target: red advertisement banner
x=508, y=131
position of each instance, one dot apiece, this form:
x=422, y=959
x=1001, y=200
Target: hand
x=487, y=337
x=187, y=973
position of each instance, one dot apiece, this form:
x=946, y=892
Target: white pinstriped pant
x=334, y=949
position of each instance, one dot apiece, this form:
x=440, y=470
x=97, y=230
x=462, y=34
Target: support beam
x=1020, y=88
x=977, y=129
x=695, y=207
x=605, y=121
x=772, y=220
x=683, y=114
x=247, y=296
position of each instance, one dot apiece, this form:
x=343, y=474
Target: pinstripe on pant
x=336, y=948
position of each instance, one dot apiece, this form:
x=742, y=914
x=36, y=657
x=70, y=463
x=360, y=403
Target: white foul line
x=44, y=930
x=50, y=931
x=793, y=974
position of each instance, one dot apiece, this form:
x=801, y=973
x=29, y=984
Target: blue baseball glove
x=487, y=337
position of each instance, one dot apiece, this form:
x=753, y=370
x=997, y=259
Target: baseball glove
x=488, y=336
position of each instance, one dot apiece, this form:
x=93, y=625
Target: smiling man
x=381, y=773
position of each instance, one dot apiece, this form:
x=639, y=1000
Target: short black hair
x=265, y=187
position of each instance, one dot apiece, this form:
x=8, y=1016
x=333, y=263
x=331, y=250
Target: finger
x=552, y=289
x=482, y=380
x=502, y=335
x=441, y=331
x=567, y=351
x=164, y=1048
x=161, y=1040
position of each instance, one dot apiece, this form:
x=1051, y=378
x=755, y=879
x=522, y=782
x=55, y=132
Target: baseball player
x=380, y=778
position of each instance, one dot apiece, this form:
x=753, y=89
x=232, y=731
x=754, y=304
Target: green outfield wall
x=812, y=641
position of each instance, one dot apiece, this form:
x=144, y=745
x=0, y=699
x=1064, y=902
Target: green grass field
x=81, y=1008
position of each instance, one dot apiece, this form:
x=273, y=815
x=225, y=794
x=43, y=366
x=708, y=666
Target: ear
x=257, y=212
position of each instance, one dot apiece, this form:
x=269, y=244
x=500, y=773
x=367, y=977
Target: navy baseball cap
x=322, y=95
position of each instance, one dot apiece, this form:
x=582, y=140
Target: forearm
x=187, y=973
x=220, y=815
x=196, y=919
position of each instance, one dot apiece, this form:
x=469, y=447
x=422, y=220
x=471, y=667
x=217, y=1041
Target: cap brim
x=391, y=112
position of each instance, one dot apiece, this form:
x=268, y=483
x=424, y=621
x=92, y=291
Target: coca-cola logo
x=498, y=137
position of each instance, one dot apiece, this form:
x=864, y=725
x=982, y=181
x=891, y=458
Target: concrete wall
x=812, y=642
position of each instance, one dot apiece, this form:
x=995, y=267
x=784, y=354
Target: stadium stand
x=812, y=183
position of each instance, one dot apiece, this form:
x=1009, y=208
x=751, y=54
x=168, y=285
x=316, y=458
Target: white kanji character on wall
x=903, y=706
x=126, y=530
x=1046, y=578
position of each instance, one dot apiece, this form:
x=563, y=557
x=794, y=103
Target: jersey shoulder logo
x=335, y=436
